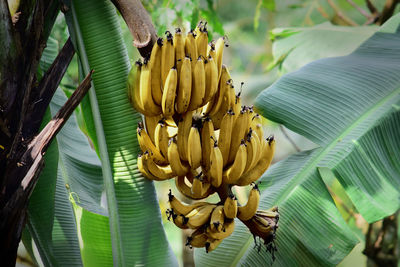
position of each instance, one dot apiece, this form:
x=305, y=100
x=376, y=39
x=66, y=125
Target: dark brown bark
x=13, y=212
x=23, y=101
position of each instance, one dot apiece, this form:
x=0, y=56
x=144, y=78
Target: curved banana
x=233, y=173
x=227, y=230
x=198, y=85
x=162, y=138
x=216, y=166
x=261, y=166
x=190, y=47
x=224, y=85
x=179, y=46
x=202, y=40
x=256, y=125
x=146, y=144
x=133, y=84
x=225, y=132
x=253, y=146
x=212, y=244
x=185, y=86
x=150, y=123
x=238, y=134
x=238, y=102
x=167, y=57
x=168, y=97
x=247, y=211
x=180, y=208
x=161, y=172
x=217, y=218
x=134, y=89
x=187, y=190
x=180, y=221
x=179, y=167
x=197, y=186
x=145, y=91
x=198, y=238
x=184, y=126
x=199, y=216
x=230, y=207
x=219, y=51
x=155, y=68
x=194, y=147
x=259, y=148
x=143, y=163
x=211, y=72
x=207, y=131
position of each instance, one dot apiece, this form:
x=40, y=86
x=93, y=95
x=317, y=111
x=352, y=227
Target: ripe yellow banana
x=224, y=84
x=168, y=97
x=212, y=244
x=207, y=144
x=238, y=102
x=230, y=207
x=145, y=91
x=184, y=126
x=233, y=172
x=179, y=167
x=199, y=216
x=186, y=190
x=219, y=51
x=256, y=125
x=143, y=163
x=146, y=144
x=211, y=72
x=179, y=45
x=198, y=238
x=162, y=138
x=194, y=147
x=224, y=139
x=249, y=210
x=134, y=78
x=197, y=186
x=167, y=57
x=180, y=221
x=216, y=166
x=202, y=40
x=227, y=230
x=161, y=172
x=151, y=123
x=238, y=134
x=131, y=80
x=259, y=148
x=180, y=208
x=262, y=165
x=155, y=69
x=185, y=87
x=190, y=47
x=253, y=146
x=217, y=218
x=198, y=85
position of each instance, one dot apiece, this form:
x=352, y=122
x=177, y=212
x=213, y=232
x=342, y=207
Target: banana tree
x=347, y=105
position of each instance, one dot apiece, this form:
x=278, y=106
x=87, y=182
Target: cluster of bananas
x=196, y=131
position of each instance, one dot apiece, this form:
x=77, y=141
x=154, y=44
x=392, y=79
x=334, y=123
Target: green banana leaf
x=296, y=46
x=137, y=235
x=349, y=106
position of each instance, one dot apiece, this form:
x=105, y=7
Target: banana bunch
x=196, y=131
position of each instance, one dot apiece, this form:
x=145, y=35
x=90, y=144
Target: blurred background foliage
x=267, y=38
